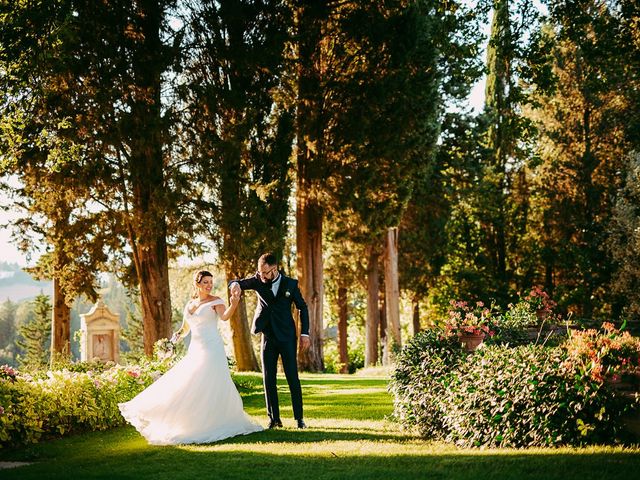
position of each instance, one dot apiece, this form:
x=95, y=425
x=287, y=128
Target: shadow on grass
x=121, y=454
x=54, y=448
x=313, y=435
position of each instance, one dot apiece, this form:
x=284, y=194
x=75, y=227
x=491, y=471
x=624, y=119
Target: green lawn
x=348, y=438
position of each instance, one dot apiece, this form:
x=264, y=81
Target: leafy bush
x=525, y=396
x=424, y=369
x=515, y=325
x=58, y=402
x=502, y=396
x=76, y=396
x=519, y=316
x=355, y=355
x=332, y=362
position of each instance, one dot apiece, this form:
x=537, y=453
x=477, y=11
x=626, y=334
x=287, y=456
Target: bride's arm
x=226, y=314
x=181, y=332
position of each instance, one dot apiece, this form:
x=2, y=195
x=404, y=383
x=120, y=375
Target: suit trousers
x=271, y=350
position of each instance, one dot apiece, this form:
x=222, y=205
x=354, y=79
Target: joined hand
x=235, y=297
x=236, y=290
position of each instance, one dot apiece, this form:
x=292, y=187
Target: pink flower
x=8, y=373
x=468, y=318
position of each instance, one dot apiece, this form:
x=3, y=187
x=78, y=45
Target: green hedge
x=424, y=369
x=54, y=403
x=502, y=396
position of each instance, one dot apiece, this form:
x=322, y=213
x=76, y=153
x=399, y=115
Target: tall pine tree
x=34, y=336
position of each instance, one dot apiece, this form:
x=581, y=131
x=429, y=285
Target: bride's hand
x=235, y=298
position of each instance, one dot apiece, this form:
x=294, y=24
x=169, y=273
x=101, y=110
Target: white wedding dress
x=196, y=401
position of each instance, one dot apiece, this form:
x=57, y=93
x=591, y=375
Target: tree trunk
x=155, y=300
x=60, y=323
x=384, y=330
x=416, y=316
x=309, y=244
x=342, y=329
x=392, y=289
x=310, y=170
x=498, y=104
x=148, y=228
x=241, y=335
x=373, y=313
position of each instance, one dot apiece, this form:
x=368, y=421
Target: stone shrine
x=100, y=334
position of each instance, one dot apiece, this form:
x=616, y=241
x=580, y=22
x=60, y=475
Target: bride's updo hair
x=197, y=278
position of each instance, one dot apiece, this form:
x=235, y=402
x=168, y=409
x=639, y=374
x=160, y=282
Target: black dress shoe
x=274, y=423
x=301, y=424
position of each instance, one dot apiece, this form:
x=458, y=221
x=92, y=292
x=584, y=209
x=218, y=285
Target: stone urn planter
x=534, y=332
x=627, y=387
x=470, y=342
x=543, y=331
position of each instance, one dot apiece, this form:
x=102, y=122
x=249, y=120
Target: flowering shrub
x=502, y=396
x=75, y=396
x=465, y=319
x=605, y=354
x=58, y=402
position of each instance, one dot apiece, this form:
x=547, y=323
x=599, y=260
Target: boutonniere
x=287, y=294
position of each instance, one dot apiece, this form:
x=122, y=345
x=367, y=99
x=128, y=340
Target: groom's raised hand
x=305, y=342
x=235, y=289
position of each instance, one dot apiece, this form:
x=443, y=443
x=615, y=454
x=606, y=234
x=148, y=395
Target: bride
x=196, y=401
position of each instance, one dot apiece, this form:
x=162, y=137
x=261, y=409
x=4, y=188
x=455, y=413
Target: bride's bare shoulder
x=213, y=298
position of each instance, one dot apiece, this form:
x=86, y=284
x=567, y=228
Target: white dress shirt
x=275, y=284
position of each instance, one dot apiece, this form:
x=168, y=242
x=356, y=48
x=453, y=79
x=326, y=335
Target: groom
x=274, y=320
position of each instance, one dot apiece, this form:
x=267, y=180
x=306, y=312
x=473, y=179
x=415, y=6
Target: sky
x=8, y=252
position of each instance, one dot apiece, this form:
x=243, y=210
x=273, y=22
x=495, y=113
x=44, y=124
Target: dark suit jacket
x=273, y=313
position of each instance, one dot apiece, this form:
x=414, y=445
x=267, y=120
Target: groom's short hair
x=268, y=259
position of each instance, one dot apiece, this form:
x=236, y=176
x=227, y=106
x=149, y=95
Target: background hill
x=17, y=285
